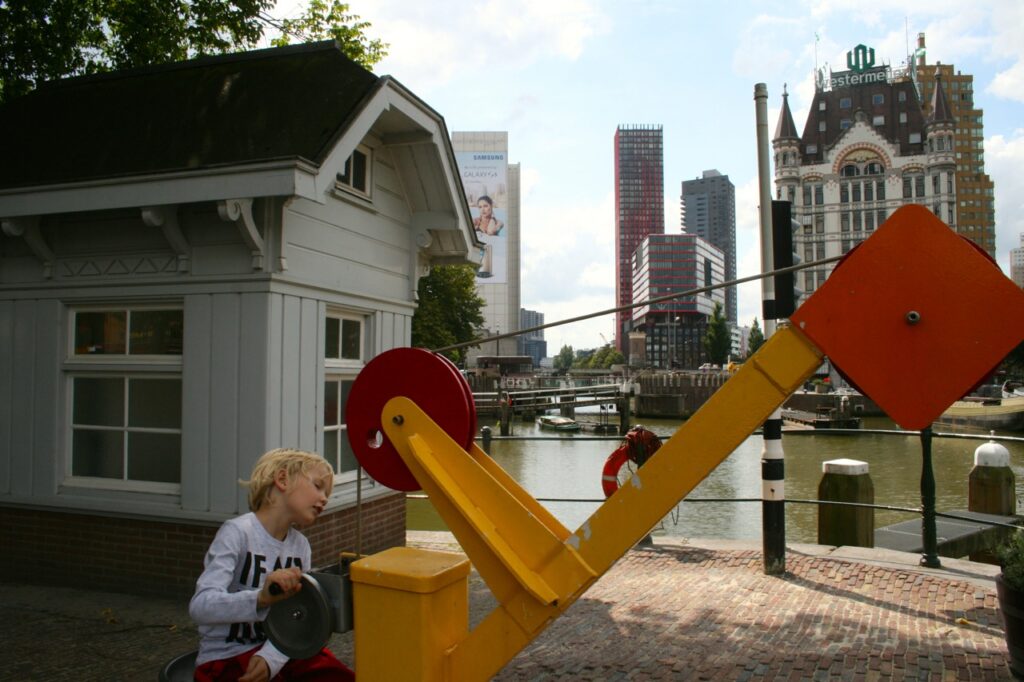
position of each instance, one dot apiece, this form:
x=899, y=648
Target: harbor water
x=569, y=468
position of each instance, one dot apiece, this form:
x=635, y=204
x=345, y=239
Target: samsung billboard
x=485, y=179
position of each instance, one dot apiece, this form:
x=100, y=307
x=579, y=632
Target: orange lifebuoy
x=638, y=446
x=610, y=473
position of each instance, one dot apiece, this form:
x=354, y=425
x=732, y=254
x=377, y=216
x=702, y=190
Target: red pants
x=322, y=667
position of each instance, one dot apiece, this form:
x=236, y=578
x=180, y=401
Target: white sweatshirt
x=224, y=605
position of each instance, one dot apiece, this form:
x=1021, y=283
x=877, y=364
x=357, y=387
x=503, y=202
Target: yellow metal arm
x=533, y=566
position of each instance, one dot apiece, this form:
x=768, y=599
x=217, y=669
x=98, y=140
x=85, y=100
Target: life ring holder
x=638, y=446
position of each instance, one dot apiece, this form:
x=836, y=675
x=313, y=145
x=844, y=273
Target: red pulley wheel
x=429, y=380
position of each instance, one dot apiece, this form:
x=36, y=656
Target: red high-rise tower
x=639, y=209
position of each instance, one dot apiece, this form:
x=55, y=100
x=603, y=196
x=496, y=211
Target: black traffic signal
x=787, y=295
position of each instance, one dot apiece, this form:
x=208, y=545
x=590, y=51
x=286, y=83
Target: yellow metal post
x=410, y=607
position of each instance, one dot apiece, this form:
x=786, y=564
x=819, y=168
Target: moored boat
x=556, y=423
x=1005, y=414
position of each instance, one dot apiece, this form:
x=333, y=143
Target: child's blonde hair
x=294, y=462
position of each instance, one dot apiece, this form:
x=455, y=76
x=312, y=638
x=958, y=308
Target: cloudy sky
x=560, y=75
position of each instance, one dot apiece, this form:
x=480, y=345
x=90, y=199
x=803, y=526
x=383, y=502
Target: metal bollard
x=485, y=437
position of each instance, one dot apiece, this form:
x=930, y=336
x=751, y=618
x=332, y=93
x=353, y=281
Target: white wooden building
x=196, y=260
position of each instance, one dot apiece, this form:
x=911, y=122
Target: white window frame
x=124, y=366
x=339, y=370
x=347, y=184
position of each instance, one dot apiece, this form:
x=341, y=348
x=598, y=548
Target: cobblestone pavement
x=672, y=612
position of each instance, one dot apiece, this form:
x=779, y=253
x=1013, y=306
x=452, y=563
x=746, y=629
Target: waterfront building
x=974, y=189
x=189, y=281
x=867, y=148
x=639, y=210
x=708, y=210
x=674, y=330
x=532, y=343
x=492, y=186
x=1017, y=263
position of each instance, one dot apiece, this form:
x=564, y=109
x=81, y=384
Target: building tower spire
x=786, y=145
x=785, y=129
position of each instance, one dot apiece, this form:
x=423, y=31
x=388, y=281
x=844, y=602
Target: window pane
x=331, y=338
x=346, y=387
x=351, y=332
x=156, y=332
x=359, y=170
x=347, y=460
x=98, y=402
x=97, y=453
x=154, y=457
x=331, y=447
x=331, y=403
x=154, y=403
x=100, y=333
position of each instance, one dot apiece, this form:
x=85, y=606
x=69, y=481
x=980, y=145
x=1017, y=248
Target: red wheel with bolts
x=430, y=381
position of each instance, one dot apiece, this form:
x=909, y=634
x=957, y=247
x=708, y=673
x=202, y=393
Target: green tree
x=564, y=359
x=755, y=339
x=48, y=39
x=449, y=309
x=717, y=339
x=321, y=22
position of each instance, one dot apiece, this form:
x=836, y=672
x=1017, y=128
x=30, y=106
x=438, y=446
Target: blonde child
x=249, y=554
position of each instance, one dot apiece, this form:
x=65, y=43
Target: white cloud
x=434, y=43
x=1004, y=159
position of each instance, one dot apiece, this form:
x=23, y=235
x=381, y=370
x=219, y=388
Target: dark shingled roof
x=940, y=110
x=785, y=129
x=214, y=111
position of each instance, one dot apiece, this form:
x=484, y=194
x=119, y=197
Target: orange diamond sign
x=915, y=316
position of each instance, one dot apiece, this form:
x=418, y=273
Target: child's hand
x=258, y=671
x=289, y=580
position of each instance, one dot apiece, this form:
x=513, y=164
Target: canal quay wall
x=680, y=394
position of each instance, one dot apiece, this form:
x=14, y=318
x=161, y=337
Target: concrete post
x=846, y=480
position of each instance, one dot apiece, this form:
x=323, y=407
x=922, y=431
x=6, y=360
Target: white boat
x=558, y=423
x=1004, y=414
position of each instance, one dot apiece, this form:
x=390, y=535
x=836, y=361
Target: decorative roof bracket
x=28, y=227
x=239, y=211
x=166, y=218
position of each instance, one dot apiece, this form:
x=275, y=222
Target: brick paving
x=666, y=613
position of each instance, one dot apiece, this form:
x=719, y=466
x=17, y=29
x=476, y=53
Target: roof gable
x=244, y=108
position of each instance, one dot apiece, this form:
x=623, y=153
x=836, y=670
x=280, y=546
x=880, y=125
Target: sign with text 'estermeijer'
x=861, y=62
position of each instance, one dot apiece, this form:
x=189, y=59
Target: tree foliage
x=564, y=359
x=755, y=339
x=602, y=358
x=449, y=309
x=335, y=22
x=43, y=40
x=717, y=339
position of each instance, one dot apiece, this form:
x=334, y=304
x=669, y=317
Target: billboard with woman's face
x=485, y=179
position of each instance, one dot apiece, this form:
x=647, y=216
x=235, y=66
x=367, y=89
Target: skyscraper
x=708, y=210
x=975, y=203
x=1017, y=264
x=492, y=188
x=639, y=209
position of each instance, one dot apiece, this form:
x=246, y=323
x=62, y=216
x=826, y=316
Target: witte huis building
x=867, y=148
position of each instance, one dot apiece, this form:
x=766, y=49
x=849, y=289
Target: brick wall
x=153, y=557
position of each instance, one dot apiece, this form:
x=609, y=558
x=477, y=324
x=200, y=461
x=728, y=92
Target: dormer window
x=356, y=175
